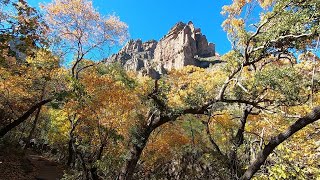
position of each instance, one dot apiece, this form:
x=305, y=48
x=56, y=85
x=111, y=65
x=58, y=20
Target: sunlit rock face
x=180, y=46
x=183, y=45
x=137, y=56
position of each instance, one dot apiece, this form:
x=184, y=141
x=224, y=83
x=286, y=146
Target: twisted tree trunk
x=135, y=152
x=35, y=122
x=71, y=152
x=33, y=128
x=237, y=141
x=22, y=118
x=139, y=143
x=313, y=116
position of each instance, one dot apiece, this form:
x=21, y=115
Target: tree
x=21, y=119
x=81, y=31
x=22, y=30
x=168, y=104
x=290, y=27
x=27, y=86
x=23, y=40
x=269, y=46
x=98, y=113
x=276, y=140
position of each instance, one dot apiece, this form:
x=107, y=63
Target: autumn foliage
x=254, y=115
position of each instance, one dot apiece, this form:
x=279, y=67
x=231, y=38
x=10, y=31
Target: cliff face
x=182, y=46
x=137, y=56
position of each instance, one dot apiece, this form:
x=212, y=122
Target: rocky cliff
x=183, y=45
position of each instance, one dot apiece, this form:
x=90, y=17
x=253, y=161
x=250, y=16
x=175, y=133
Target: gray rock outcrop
x=137, y=56
x=183, y=45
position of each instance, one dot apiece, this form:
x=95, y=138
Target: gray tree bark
x=313, y=116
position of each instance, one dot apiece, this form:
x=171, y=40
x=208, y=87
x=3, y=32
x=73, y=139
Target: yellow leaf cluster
x=192, y=83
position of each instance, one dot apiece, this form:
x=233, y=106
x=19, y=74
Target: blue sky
x=153, y=19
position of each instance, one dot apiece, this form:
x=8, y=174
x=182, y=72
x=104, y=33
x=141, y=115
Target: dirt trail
x=44, y=168
x=16, y=164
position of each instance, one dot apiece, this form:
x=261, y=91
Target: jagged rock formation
x=180, y=47
x=137, y=56
x=183, y=45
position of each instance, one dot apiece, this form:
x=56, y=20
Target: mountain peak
x=183, y=45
